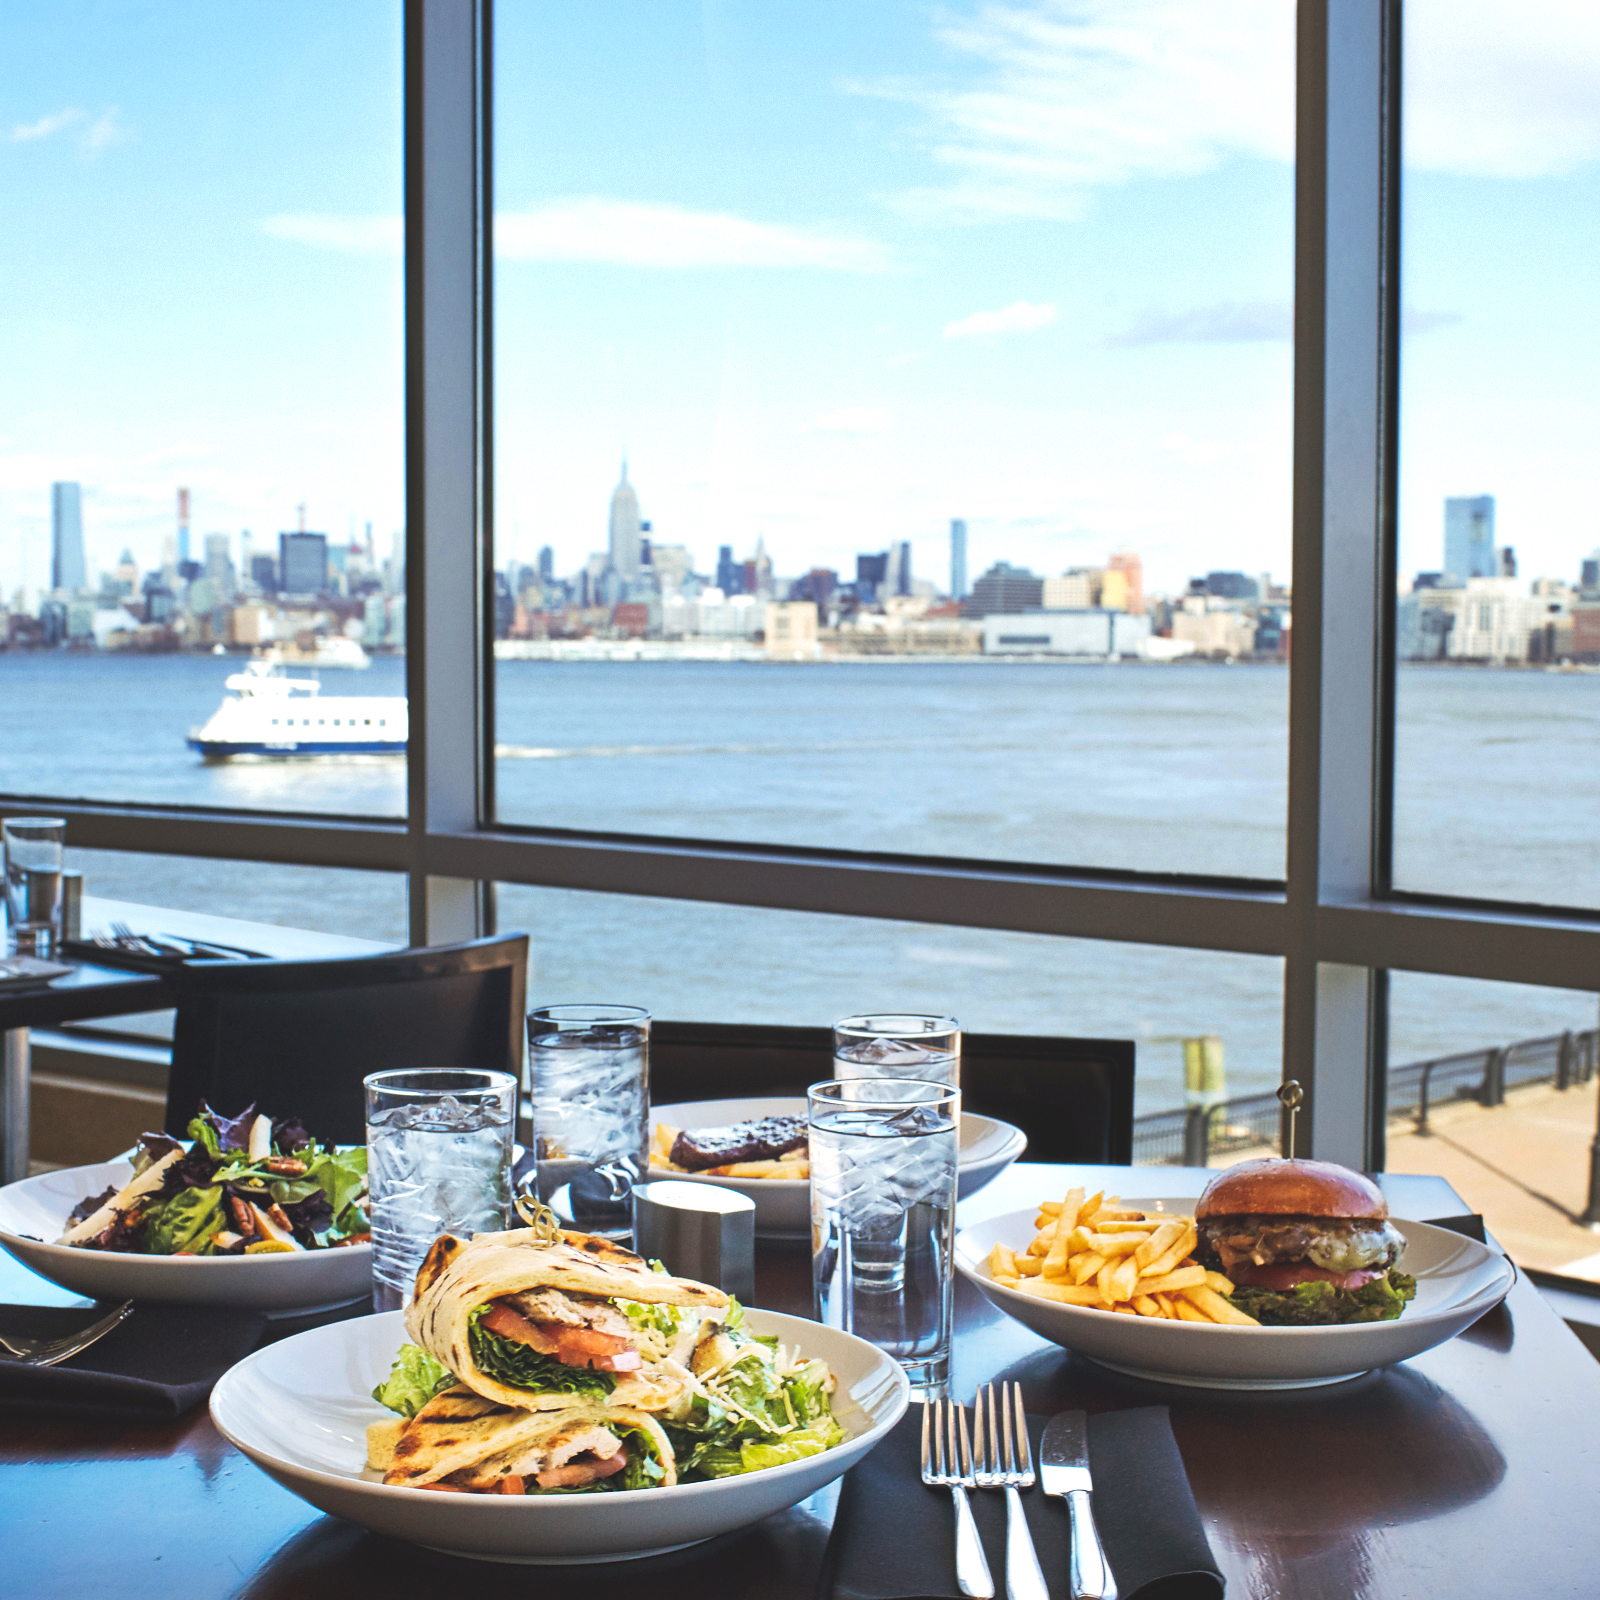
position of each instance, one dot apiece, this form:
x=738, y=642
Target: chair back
x=1072, y=1097
x=297, y=1037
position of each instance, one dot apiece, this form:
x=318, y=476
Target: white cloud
x=1020, y=317
x=103, y=131
x=852, y=419
x=1501, y=91
x=27, y=132
x=1230, y=323
x=625, y=233
x=1074, y=94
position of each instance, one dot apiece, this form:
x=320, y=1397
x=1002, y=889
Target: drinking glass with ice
x=898, y=1045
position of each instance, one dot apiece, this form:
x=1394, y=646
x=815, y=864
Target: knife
x=1064, y=1471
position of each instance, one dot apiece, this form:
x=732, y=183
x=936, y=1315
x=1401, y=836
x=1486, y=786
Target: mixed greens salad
x=749, y=1403
x=246, y=1185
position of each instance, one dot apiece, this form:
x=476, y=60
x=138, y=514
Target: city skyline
x=823, y=304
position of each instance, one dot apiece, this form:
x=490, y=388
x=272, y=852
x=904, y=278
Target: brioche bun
x=1291, y=1188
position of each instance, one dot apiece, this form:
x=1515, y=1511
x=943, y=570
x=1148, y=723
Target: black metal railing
x=1192, y=1136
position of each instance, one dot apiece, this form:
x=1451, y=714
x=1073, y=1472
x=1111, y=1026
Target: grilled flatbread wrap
x=477, y=1443
x=457, y=1277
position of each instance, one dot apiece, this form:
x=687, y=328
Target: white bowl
x=1458, y=1280
x=783, y=1205
x=300, y=1408
x=278, y=1284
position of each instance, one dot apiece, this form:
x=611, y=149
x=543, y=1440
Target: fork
x=47, y=1352
x=947, y=1463
x=1005, y=1461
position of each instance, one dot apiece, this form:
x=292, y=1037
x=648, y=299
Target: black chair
x=297, y=1037
x=1072, y=1097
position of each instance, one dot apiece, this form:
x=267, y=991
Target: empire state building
x=626, y=530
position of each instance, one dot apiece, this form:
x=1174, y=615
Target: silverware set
x=47, y=1352
x=122, y=937
x=997, y=1454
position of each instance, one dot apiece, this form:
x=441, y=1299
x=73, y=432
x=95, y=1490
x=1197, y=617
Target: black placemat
x=159, y=1364
x=894, y=1538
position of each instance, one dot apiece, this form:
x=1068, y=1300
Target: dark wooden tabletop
x=1469, y=1472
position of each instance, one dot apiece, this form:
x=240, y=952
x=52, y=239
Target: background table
x=1469, y=1472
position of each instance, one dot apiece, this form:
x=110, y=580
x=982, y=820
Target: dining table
x=1469, y=1471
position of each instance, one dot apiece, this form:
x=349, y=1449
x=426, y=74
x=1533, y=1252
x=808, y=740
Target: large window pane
x=1493, y=1086
x=1499, y=609
x=201, y=426
x=688, y=961
x=866, y=371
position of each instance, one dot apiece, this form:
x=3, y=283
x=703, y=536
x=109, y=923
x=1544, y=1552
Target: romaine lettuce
x=520, y=1366
x=1320, y=1304
x=184, y=1222
x=414, y=1379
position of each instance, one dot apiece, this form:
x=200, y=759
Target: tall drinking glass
x=898, y=1046
x=438, y=1161
x=883, y=1210
x=33, y=858
x=589, y=1090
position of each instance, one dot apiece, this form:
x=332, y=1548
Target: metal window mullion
x=447, y=428
x=1336, y=692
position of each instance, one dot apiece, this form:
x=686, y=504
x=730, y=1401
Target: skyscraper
x=958, y=559
x=1469, y=537
x=1132, y=568
x=897, y=578
x=303, y=563
x=66, y=537
x=625, y=530
x=183, y=526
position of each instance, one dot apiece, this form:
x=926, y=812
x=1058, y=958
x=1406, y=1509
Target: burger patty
x=1337, y=1244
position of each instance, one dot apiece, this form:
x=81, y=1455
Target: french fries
x=1091, y=1251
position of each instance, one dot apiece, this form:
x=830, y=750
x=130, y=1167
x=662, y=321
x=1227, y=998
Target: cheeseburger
x=1304, y=1242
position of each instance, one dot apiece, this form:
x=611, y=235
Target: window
x=787, y=324
x=1499, y=605
x=203, y=414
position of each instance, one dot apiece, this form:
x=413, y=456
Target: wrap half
x=551, y=1336
x=478, y=1444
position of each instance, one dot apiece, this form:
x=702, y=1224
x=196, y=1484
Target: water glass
x=883, y=1211
x=898, y=1046
x=438, y=1161
x=33, y=858
x=589, y=1094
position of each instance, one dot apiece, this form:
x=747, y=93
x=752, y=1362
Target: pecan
x=243, y=1219
x=286, y=1167
x=275, y=1211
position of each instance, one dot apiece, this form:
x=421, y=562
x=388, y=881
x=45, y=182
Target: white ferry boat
x=268, y=713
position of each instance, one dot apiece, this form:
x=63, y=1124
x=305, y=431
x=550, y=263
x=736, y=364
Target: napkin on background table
x=159, y=1364
x=894, y=1538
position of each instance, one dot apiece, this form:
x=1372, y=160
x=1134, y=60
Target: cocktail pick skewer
x=1290, y=1094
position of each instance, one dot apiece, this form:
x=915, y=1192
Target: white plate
x=783, y=1205
x=300, y=1408
x=1458, y=1280
x=277, y=1284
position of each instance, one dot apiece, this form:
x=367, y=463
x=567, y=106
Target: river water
x=1176, y=769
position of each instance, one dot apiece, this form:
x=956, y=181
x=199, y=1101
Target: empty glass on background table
x=589, y=1095
x=898, y=1045
x=883, y=1211
x=438, y=1161
x=34, y=848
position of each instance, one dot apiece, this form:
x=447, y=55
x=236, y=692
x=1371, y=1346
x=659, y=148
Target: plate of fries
x=1116, y=1280
x=781, y=1188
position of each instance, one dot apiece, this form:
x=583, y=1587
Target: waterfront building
x=1213, y=630
x=1469, y=537
x=1091, y=631
x=958, y=559
x=1075, y=589
x=303, y=563
x=1132, y=570
x=1004, y=590
x=626, y=530
x=67, y=567
x=791, y=628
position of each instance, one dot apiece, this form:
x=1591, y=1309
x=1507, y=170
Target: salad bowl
x=1458, y=1280
x=300, y=1409
x=35, y=1210
x=783, y=1205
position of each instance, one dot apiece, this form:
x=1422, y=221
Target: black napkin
x=157, y=1365
x=1470, y=1226
x=894, y=1538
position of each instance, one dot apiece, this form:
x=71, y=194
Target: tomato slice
x=1285, y=1275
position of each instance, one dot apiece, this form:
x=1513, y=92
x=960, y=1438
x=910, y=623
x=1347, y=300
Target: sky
x=828, y=275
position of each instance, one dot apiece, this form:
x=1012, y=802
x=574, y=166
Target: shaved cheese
x=147, y=1182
